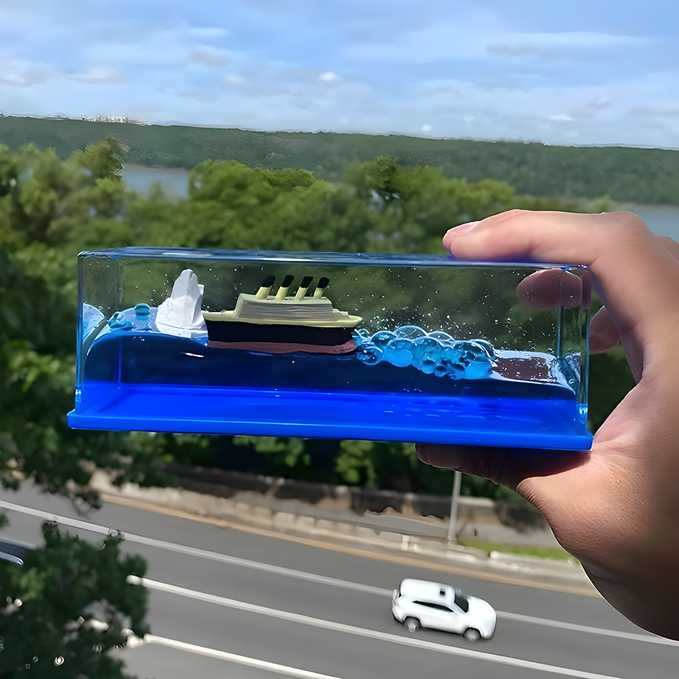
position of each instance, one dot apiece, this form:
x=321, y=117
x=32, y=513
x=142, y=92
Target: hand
x=616, y=508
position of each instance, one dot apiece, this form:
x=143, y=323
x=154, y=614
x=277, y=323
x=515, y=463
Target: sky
x=596, y=72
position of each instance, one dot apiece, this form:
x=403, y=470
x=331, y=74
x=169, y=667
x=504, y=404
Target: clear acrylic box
x=384, y=347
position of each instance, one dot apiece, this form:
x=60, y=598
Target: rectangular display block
x=386, y=347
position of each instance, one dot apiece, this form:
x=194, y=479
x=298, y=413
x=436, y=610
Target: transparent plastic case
x=385, y=347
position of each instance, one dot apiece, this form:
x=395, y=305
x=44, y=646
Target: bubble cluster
x=434, y=353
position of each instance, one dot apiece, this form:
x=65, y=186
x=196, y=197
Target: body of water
x=663, y=219
x=173, y=180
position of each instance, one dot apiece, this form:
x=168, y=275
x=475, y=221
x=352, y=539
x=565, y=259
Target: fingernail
x=463, y=229
x=457, y=231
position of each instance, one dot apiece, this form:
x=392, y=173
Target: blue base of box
x=477, y=420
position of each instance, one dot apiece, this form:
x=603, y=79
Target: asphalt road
x=235, y=603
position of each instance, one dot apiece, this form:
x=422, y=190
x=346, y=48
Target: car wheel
x=472, y=634
x=412, y=624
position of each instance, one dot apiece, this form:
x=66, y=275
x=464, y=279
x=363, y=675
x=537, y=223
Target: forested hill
x=636, y=175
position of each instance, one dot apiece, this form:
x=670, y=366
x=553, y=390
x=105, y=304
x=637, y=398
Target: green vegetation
x=68, y=607
x=542, y=552
x=51, y=208
x=625, y=174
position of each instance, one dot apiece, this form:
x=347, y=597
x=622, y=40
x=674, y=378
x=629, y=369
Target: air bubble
x=436, y=353
x=409, y=332
x=370, y=355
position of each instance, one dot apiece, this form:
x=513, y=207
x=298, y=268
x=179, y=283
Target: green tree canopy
x=52, y=207
x=68, y=607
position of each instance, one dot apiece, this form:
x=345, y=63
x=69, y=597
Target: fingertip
x=456, y=232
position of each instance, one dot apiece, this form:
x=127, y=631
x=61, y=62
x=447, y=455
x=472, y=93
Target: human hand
x=616, y=508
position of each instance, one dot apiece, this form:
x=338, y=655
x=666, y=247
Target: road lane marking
x=587, y=629
x=318, y=579
x=247, y=661
x=585, y=590
x=196, y=551
x=364, y=632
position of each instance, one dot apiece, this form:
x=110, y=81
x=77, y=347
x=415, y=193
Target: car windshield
x=462, y=602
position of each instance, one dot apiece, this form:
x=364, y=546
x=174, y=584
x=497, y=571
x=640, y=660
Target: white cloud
x=97, y=74
x=233, y=79
x=537, y=44
x=266, y=96
x=210, y=56
x=477, y=33
x=464, y=69
x=208, y=32
x=670, y=111
x=22, y=73
x=561, y=118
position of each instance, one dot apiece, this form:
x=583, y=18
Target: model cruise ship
x=283, y=323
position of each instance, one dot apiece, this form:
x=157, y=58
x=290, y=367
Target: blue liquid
x=402, y=385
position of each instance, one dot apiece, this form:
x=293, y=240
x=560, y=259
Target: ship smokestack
x=283, y=290
x=265, y=288
x=303, y=287
x=321, y=287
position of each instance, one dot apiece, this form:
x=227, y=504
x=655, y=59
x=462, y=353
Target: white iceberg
x=180, y=314
x=91, y=319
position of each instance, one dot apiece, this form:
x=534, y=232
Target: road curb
x=288, y=522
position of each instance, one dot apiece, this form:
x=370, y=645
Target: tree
x=48, y=209
x=52, y=207
x=68, y=607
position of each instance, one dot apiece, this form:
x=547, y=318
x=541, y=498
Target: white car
x=419, y=603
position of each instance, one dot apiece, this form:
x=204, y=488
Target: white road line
x=196, y=551
x=318, y=579
x=273, y=667
x=400, y=640
x=587, y=629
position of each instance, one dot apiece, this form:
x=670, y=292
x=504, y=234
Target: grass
x=540, y=552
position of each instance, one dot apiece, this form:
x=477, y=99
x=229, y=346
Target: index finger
x=638, y=278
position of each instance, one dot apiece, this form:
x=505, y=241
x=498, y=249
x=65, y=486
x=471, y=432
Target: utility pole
x=454, y=497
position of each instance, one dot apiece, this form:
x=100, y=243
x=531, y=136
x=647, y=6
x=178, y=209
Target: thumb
x=504, y=466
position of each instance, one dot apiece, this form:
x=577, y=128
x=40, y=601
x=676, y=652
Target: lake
x=173, y=180
x=663, y=219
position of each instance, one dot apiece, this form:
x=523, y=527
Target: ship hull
x=279, y=339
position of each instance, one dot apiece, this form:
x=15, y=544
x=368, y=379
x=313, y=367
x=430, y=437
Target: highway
x=243, y=603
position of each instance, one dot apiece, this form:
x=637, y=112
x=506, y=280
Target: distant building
x=100, y=118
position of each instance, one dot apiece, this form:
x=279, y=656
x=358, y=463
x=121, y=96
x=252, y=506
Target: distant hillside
x=625, y=174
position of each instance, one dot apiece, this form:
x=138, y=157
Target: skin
x=617, y=507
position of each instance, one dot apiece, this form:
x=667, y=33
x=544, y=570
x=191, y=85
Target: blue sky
x=597, y=72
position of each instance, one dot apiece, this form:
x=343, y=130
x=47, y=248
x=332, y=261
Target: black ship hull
x=279, y=338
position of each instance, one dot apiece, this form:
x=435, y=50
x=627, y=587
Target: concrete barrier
x=417, y=514
x=230, y=510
